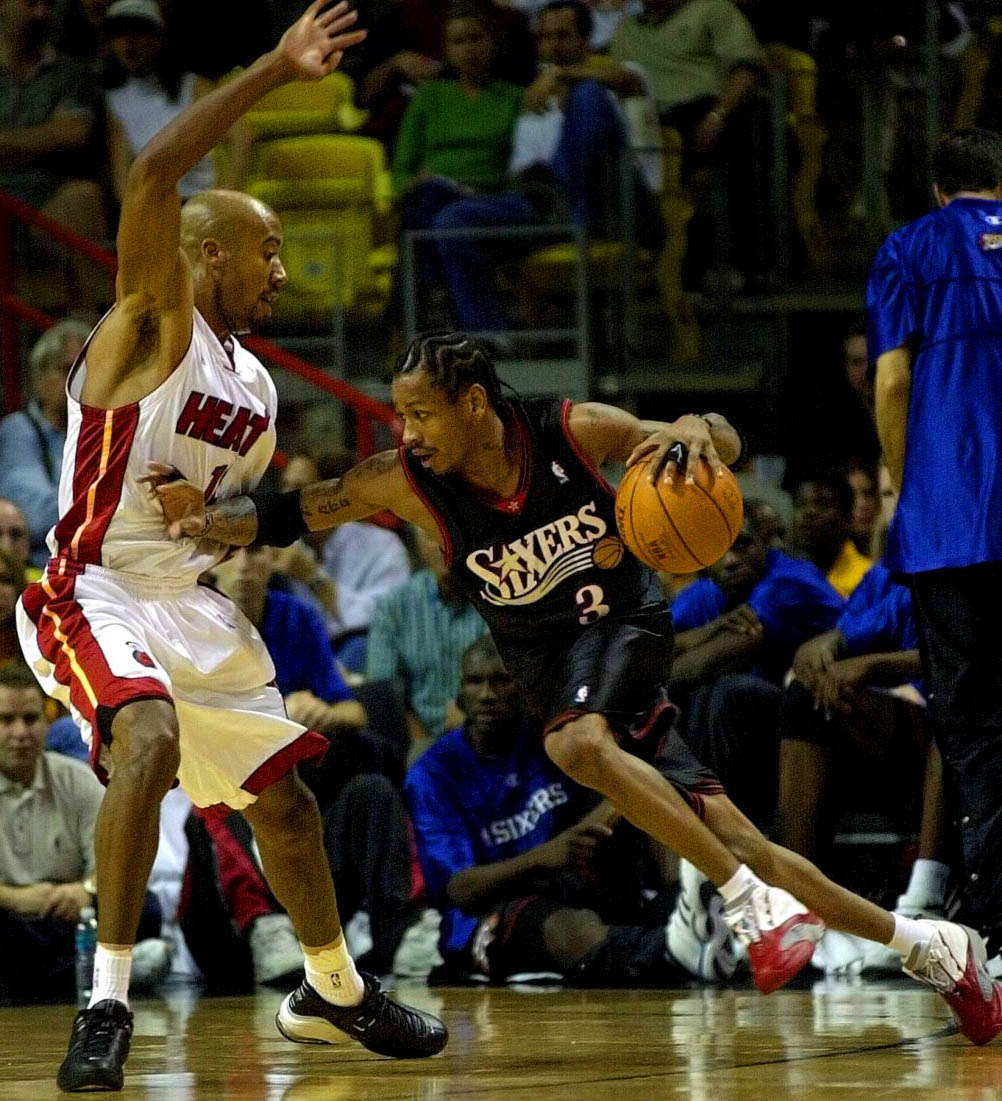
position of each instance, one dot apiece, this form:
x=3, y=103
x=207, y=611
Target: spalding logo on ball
x=679, y=528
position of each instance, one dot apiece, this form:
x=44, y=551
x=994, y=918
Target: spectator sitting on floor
x=145, y=91
x=48, y=109
x=454, y=142
x=863, y=481
x=418, y=635
x=343, y=572
x=48, y=806
x=305, y=671
x=767, y=522
x=758, y=607
x=822, y=529
x=512, y=852
x=12, y=583
x=31, y=440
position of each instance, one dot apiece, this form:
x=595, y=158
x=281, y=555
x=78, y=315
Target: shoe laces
x=99, y=1033
x=378, y=1007
x=743, y=918
x=933, y=971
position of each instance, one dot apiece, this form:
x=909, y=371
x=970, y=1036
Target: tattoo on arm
x=332, y=507
x=233, y=521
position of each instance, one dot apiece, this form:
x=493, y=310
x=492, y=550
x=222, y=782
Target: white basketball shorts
x=97, y=639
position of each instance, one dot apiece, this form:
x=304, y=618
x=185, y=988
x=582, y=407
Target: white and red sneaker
x=779, y=932
x=952, y=962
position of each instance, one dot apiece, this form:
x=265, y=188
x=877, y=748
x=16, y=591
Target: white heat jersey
x=212, y=420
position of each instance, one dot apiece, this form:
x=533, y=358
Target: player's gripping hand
x=313, y=46
x=182, y=502
x=661, y=450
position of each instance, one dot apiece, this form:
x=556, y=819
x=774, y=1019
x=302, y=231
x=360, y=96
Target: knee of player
x=581, y=748
x=287, y=811
x=144, y=741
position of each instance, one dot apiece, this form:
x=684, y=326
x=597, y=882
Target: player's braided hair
x=453, y=362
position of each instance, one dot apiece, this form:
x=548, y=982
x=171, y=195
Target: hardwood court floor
x=831, y=1042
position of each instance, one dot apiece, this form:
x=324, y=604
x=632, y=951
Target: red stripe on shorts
x=66, y=640
x=309, y=746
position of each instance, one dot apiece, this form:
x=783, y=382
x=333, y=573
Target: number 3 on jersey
x=590, y=600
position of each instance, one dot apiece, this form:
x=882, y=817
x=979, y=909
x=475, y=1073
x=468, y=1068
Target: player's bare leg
x=837, y=907
x=145, y=758
x=336, y=1001
x=289, y=833
x=587, y=750
x=779, y=930
x=948, y=957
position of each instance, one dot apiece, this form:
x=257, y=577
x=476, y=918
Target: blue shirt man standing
x=934, y=301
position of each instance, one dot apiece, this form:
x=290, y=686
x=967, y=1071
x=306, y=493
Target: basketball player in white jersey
x=167, y=678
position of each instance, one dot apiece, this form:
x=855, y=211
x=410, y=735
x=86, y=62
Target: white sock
x=331, y=972
x=907, y=933
x=112, y=968
x=928, y=881
x=742, y=879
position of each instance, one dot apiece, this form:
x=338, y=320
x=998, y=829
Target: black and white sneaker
x=377, y=1023
x=99, y=1046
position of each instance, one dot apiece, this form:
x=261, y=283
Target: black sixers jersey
x=544, y=565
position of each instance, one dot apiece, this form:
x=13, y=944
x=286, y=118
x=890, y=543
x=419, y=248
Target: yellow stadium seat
x=324, y=107
x=328, y=190
x=550, y=269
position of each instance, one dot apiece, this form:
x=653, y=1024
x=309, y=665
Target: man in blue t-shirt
x=755, y=612
x=529, y=874
x=305, y=671
x=934, y=300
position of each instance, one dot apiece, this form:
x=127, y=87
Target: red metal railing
x=366, y=411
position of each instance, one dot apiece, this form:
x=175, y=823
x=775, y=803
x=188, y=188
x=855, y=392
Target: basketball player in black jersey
x=512, y=492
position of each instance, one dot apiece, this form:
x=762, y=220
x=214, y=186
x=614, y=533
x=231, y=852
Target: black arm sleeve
x=279, y=519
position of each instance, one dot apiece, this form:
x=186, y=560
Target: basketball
x=679, y=528
x=607, y=552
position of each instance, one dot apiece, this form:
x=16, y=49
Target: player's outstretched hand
x=662, y=453
x=182, y=502
x=313, y=46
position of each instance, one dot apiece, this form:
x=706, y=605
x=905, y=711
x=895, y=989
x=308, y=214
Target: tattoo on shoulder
x=380, y=463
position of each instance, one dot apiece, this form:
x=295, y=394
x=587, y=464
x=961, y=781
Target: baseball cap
x=140, y=11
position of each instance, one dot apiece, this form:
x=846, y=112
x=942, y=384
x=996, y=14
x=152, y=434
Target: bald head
x=232, y=242
x=229, y=217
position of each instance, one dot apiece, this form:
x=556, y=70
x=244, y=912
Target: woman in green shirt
x=451, y=152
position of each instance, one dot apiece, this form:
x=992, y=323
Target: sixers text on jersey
x=526, y=569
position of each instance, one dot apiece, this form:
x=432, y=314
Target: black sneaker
x=99, y=1046
x=377, y=1023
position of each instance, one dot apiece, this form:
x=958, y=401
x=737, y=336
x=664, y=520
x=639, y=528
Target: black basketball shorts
x=618, y=668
